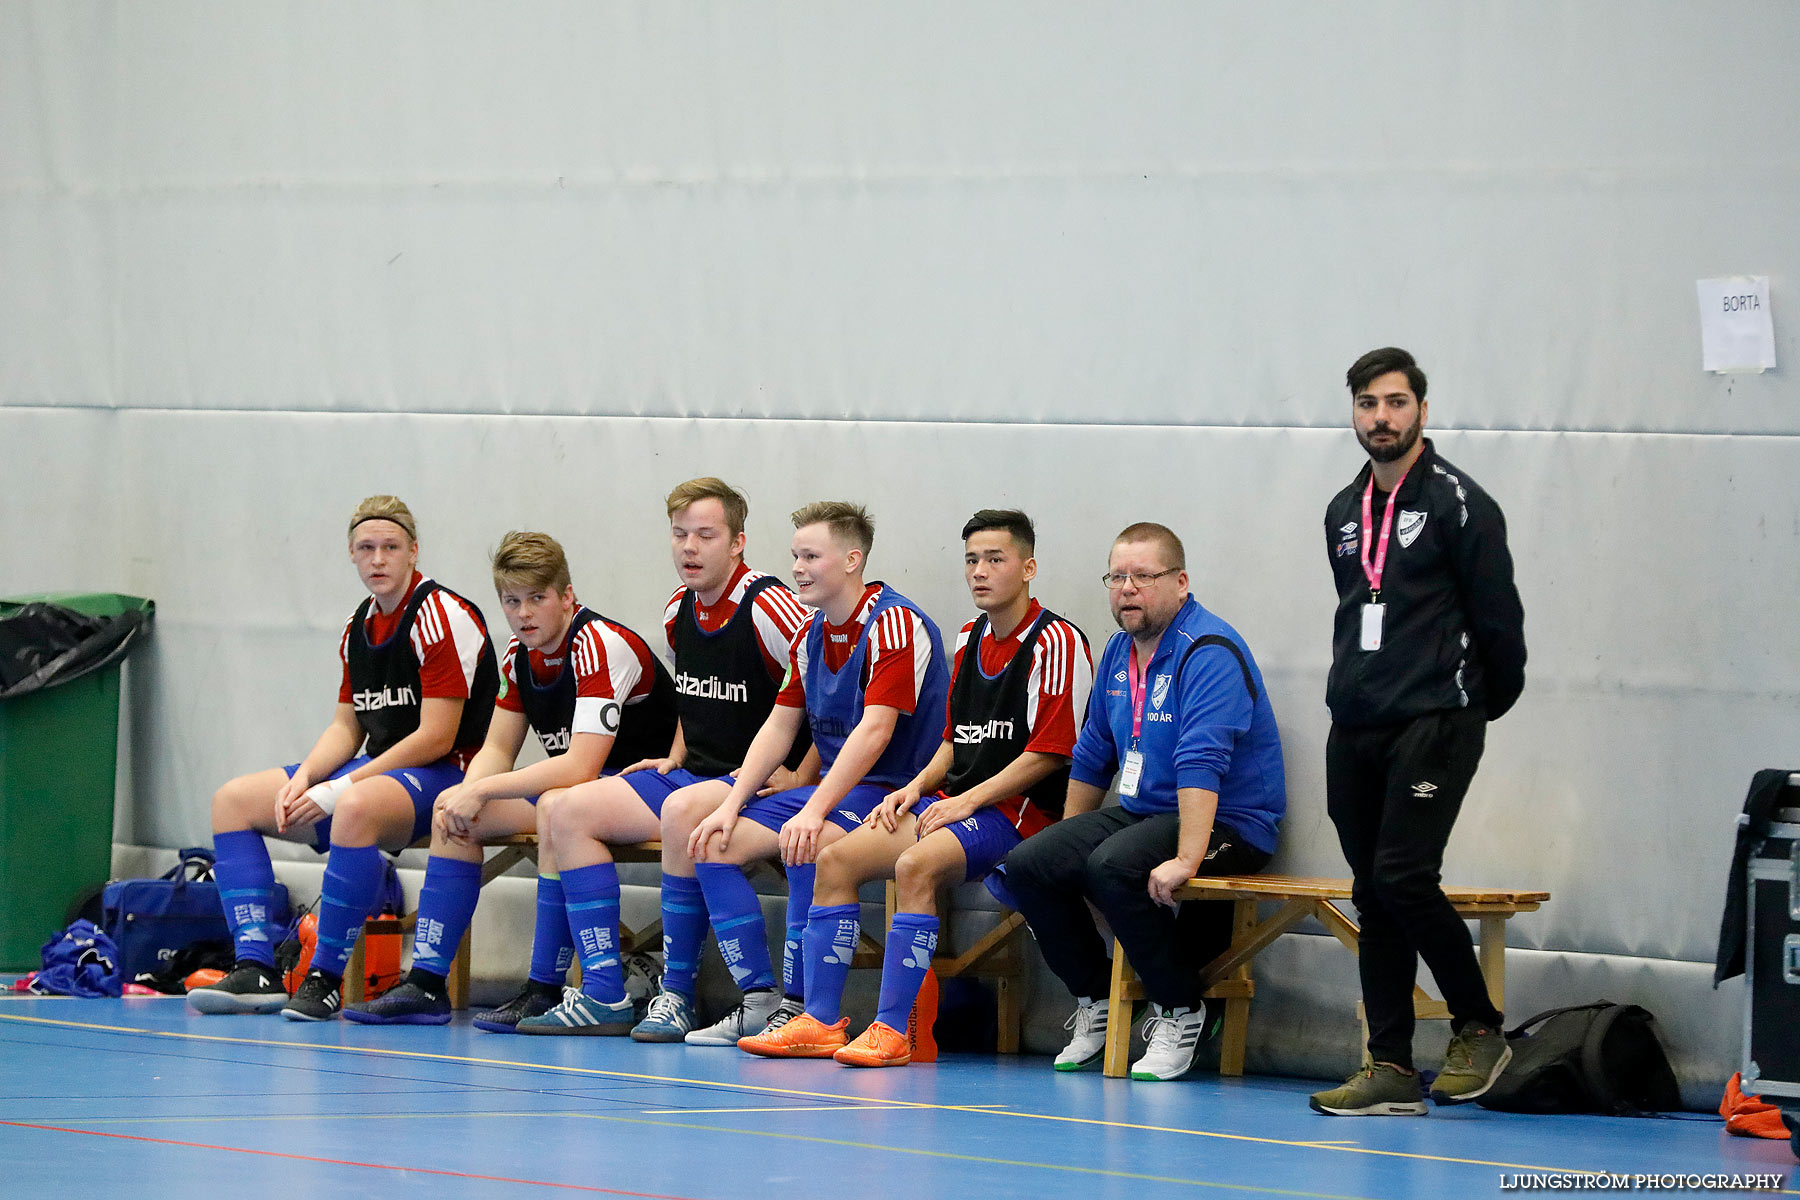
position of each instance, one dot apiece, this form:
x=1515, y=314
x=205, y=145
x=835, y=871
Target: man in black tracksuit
x=1428, y=646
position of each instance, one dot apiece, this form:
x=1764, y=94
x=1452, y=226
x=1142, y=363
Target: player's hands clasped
x=456, y=814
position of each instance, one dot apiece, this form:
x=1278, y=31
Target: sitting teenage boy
x=729, y=629
x=417, y=694
x=595, y=695
x=867, y=674
x=1000, y=773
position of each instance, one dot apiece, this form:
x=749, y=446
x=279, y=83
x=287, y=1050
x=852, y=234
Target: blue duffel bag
x=150, y=920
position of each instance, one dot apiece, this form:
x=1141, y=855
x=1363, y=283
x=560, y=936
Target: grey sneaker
x=670, y=1019
x=580, y=1014
x=1378, y=1090
x=749, y=1018
x=1088, y=1025
x=1472, y=1063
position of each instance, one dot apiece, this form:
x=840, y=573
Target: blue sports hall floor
x=140, y=1098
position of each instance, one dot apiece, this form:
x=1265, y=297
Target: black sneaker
x=249, y=988
x=317, y=999
x=534, y=1000
x=404, y=1004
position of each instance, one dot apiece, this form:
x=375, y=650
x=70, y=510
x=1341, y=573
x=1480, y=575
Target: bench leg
x=459, y=974
x=1117, y=1060
x=1237, y=1011
x=1006, y=1008
x=1493, y=959
x=354, y=974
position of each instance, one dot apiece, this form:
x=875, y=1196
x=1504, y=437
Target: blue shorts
x=772, y=812
x=422, y=784
x=987, y=836
x=653, y=789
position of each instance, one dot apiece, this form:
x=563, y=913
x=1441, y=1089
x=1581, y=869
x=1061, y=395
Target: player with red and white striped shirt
x=416, y=699
x=597, y=698
x=867, y=675
x=728, y=629
x=1017, y=690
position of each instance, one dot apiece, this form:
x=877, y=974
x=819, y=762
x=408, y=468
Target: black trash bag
x=42, y=645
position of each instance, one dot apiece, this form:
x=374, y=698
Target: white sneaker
x=1088, y=1022
x=746, y=1020
x=1174, y=1036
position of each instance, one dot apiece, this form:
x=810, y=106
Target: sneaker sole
x=858, y=1061
x=1444, y=1099
x=230, y=1004
x=1387, y=1108
x=804, y=1050
x=369, y=1018
x=1153, y=1077
x=294, y=1014
x=612, y=1030
x=659, y=1036
x=495, y=1026
x=1084, y=1064
x=714, y=1039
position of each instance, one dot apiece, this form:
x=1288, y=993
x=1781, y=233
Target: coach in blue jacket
x=1179, y=717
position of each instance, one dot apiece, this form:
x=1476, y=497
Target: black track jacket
x=1454, y=633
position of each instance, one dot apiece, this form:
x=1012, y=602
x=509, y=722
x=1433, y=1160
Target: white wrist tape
x=327, y=794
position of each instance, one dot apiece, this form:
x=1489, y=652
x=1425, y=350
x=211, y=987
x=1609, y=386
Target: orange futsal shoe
x=879, y=1046
x=803, y=1037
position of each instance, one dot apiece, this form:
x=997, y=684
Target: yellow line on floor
x=425, y=1056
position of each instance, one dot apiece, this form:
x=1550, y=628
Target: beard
x=1391, y=451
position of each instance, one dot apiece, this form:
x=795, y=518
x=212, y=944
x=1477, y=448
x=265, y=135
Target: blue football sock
x=831, y=933
x=793, y=954
x=446, y=905
x=246, y=880
x=684, y=928
x=737, y=921
x=910, y=944
x=552, y=950
x=353, y=878
x=592, y=894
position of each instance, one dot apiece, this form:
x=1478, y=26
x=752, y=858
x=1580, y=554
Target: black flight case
x=1772, y=959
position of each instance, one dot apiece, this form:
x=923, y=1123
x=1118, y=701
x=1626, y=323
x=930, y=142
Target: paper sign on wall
x=1736, y=331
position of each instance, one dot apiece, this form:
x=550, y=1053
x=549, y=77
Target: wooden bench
x=513, y=849
x=1228, y=976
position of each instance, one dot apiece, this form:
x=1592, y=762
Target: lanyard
x=1136, y=674
x=1373, y=572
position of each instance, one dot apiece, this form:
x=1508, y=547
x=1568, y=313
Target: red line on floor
x=341, y=1162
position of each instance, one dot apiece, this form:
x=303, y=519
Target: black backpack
x=1587, y=1058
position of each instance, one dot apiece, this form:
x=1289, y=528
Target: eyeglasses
x=1114, y=580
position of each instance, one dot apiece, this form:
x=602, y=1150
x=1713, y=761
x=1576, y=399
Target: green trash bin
x=58, y=772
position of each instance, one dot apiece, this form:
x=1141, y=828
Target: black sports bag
x=1587, y=1058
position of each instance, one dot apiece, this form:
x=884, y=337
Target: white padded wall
x=532, y=267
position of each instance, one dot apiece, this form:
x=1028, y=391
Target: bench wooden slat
x=1228, y=977
x=1246, y=887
